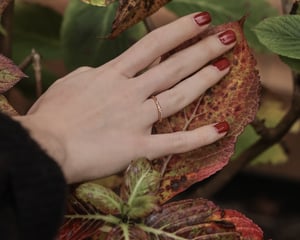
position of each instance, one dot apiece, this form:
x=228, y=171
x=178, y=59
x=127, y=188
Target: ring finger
x=173, y=100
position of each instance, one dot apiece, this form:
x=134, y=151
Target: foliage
x=94, y=33
x=10, y=74
x=234, y=99
x=281, y=35
x=137, y=215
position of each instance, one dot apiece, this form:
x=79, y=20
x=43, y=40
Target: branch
x=269, y=138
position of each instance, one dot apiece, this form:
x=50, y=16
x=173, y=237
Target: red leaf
x=202, y=219
x=6, y=108
x=9, y=74
x=245, y=226
x=234, y=99
x=77, y=226
x=131, y=12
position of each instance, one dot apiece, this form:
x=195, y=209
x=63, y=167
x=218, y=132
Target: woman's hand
x=94, y=121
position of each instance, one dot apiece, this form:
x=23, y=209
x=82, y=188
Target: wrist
x=46, y=139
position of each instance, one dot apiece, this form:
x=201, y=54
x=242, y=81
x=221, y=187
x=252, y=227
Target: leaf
x=281, y=35
x=83, y=31
x=38, y=28
x=234, y=99
x=6, y=108
x=127, y=232
x=100, y=197
x=83, y=221
x=141, y=183
x=200, y=219
x=294, y=64
x=99, y=3
x=244, y=226
x=229, y=10
x=131, y=12
x=10, y=74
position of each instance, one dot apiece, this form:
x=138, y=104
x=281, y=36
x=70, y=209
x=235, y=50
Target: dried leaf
x=10, y=74
x=99, y=3
x=131, y=12
x=100, y=197
x=234, y=99
x=141, y=183
x=201, y=219
x=6, y=108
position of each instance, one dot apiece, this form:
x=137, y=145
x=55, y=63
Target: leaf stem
x=159, y=232
x=106, y=218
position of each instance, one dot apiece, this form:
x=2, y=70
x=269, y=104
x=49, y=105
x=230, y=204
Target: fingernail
x=202, y=18
x=227, y=37
x=222, y=127
x=221, y=63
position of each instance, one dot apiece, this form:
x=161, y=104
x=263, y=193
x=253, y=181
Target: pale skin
x=94, y=121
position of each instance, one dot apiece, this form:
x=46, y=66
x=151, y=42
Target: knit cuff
x=35, y=181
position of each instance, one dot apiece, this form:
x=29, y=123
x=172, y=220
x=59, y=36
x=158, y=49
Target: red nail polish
x=222, y=127
x=202, y=18
x=227, y=37
x=221, y=63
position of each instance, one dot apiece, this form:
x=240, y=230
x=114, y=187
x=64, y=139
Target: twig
x=37, y=72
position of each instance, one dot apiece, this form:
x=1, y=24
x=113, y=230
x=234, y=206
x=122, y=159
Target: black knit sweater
x=32, y=187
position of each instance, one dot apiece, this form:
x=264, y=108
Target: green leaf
x=83, y=35
x=99, y=3
x=141, y=183
x=36, y=28
x=10, y=74
x=294, y=64
x=100, y=197
x=281, y=35
x=229, y=10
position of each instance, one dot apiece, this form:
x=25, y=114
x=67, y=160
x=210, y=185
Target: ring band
x=158, y=107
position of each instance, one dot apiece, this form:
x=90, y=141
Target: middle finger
x=184, y=63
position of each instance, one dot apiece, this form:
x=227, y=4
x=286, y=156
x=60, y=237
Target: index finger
x=160, y=41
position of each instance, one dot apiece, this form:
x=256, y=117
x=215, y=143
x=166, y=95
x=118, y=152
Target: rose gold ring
x=158, y=107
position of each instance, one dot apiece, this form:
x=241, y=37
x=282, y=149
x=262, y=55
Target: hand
x=94, y=121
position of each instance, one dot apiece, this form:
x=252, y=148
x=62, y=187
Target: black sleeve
x=32, y=186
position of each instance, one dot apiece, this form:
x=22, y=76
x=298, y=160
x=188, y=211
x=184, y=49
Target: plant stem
x=106, y=218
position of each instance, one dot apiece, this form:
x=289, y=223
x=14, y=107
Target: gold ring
x=158, y=107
